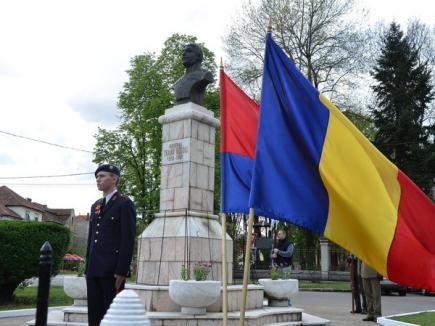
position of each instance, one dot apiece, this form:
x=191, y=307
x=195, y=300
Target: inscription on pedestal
x=175, y=151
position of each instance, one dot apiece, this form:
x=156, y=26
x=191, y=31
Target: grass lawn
x=423, y=319
x=26, y=298
x=336, y=285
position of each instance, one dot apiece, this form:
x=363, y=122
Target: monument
x=186, y=232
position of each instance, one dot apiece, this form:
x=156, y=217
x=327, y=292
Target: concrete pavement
x=330, y=305
x=337, y=306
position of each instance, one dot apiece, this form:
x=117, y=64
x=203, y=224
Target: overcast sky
x=63, y=63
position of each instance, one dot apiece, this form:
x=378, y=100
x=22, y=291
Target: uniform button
x=113, y=218
x=117, y=251
x=96, y=232
x=99, y=217
x=95, y=240
x=98, y=224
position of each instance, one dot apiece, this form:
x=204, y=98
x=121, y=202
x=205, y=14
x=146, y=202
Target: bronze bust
x=191, y=86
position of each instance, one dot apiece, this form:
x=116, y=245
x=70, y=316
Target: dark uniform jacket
x=111, y=237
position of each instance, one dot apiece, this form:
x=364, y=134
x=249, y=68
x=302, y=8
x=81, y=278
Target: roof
x=10, y=198
x=60, y=214
x=6, y=212
x=57, y=215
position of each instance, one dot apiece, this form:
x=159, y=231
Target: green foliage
x=81, y=270
x=274, y=273
x=200, y=272
x=336, y=285
x=135, y=145
x=404, y=92
x=26, y=297
x=184, y=273
x=363, y=122
x=20, y=245
x=422, y=318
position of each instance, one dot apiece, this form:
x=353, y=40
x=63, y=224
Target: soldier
x=112, y=228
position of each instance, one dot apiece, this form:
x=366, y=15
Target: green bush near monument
x=20, y=244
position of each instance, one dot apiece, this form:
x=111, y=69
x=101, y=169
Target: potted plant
x=75, y=286
x=194, y=296
x=278, y=290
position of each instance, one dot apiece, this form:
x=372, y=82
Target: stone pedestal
x=185, y=232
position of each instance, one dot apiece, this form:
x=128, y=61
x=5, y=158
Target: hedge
x=20, y=245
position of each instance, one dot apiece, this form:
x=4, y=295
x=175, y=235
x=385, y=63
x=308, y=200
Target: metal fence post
x=45, y=262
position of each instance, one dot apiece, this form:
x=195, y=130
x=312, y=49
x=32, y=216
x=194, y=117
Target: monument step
x=307, y=320
x=264, y=316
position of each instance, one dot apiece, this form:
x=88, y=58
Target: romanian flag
x=239, y=120
x=314, y=168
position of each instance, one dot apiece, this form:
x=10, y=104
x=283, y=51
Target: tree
x=403, y=92
x=363, y=122
x=135, y=145
x=316, y=34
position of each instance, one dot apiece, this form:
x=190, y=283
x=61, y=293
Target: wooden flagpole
x=224, y=259
x=246, y=267
x=224, y=270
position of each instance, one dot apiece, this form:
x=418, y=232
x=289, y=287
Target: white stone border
x=25, y=312
x=386, y=321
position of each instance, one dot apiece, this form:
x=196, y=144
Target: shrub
x=274, y=273
x=201, y=271
x=20, y=245
x=184, y=273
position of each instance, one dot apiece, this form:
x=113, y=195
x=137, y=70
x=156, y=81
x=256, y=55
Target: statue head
x=192, y=54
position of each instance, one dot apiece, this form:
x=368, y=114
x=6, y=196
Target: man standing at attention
x=112, y=228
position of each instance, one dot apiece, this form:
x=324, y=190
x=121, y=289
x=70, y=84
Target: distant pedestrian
x=282, y=255
x=372, y=290
x=359, y=304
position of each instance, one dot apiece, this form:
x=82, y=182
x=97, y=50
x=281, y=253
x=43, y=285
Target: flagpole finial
x=269, y=26
x=222, y=65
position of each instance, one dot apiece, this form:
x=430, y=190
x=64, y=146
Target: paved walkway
x=337, y=306
x=330, y=305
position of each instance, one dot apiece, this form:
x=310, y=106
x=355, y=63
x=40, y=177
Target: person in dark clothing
x=357, y=288
x=282, y=255
x=112, y=228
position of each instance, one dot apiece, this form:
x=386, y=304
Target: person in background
x=372, y=289
x=357, y=287
x=282, y=256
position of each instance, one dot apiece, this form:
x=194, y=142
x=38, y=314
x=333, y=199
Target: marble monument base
x=156, y=298
x=182, y=238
